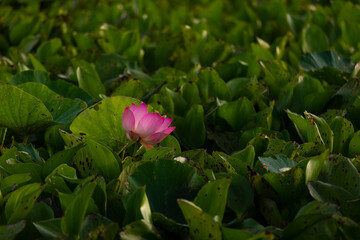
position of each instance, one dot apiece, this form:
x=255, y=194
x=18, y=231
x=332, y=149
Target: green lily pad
x=140, y=230
x=102, y=122
x=314, y=166
x=137, y=207
x=201, y=224
x=329, y=193
x=314, y=39
x=192, y=130
x=7, y=184
x=55, y=180
x=277, y=163
x=50, y=228
x=232, y=233
x=289, y=185
x=211, y=85
x=21, y=202
x=91, y=222
x=97, y=153
x=354, y=144
x=340, y=171
x=89, y=80
x=61, y=157
x=328, y=66
x=10, y=231
x=342, y=129
x=308, y=218
x=159, y=153
x=162, y=188
x=75, y=212
x=10, y=165
x=38, y=90
x=241, y=194
x=212, y=197
x=22, y=112
x=68, y=90
x=30, y=76
x=64, y=110
x=237, y=113
x=48, y=49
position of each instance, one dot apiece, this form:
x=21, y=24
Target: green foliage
x=30, y=115
x=277, y=163
x=108, y=112
x=21, y=202
x=265, y=100
x=75, y=212
x=11, y=230
x=162, y=188
x=201, y=224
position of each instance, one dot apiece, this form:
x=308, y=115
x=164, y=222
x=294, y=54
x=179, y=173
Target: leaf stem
x=3, y=135
x=157, y=89
x=123, y=150
x=26, y=138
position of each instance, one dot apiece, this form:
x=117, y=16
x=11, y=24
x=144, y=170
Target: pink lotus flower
x=149, y=128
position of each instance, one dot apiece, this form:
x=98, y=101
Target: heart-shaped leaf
x=75, y=212
x=21, y=202
x=163, y=189
x=277, y=163
x=202, y=225
x=22, y=112
x=102, y=122
x=328, y=66
x=212, y=197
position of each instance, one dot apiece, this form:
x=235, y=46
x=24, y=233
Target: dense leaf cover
x=264, y=96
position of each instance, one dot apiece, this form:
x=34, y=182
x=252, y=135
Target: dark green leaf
x=30, y=76
x=211, y=85
x=55, y=180
x=237, y=113
x=342, y=129
x=48, y=49
x=22, y=112
x=201, y=224
x=158, y=153
x=163, y=189
x=62, y=157
x=64, y=110
x=8, y=232
x=50, y=228
x=340, y=171
x=314, y=166
x=314, y=39
x=354, y=144
x=328, y=66
x=109, y=168
x=289, y=185
x=277, y=163
x=102, y=122
x=21, y=202
x=326, y=192
x=192, y=129
x=140, y=230
x=91, y=223
x=212, y=198
x=247, y=155
x=233, y=233
x=9, y=183
x=75, y=213
x=89, y=80
x=241, y=195
x=137, y=207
